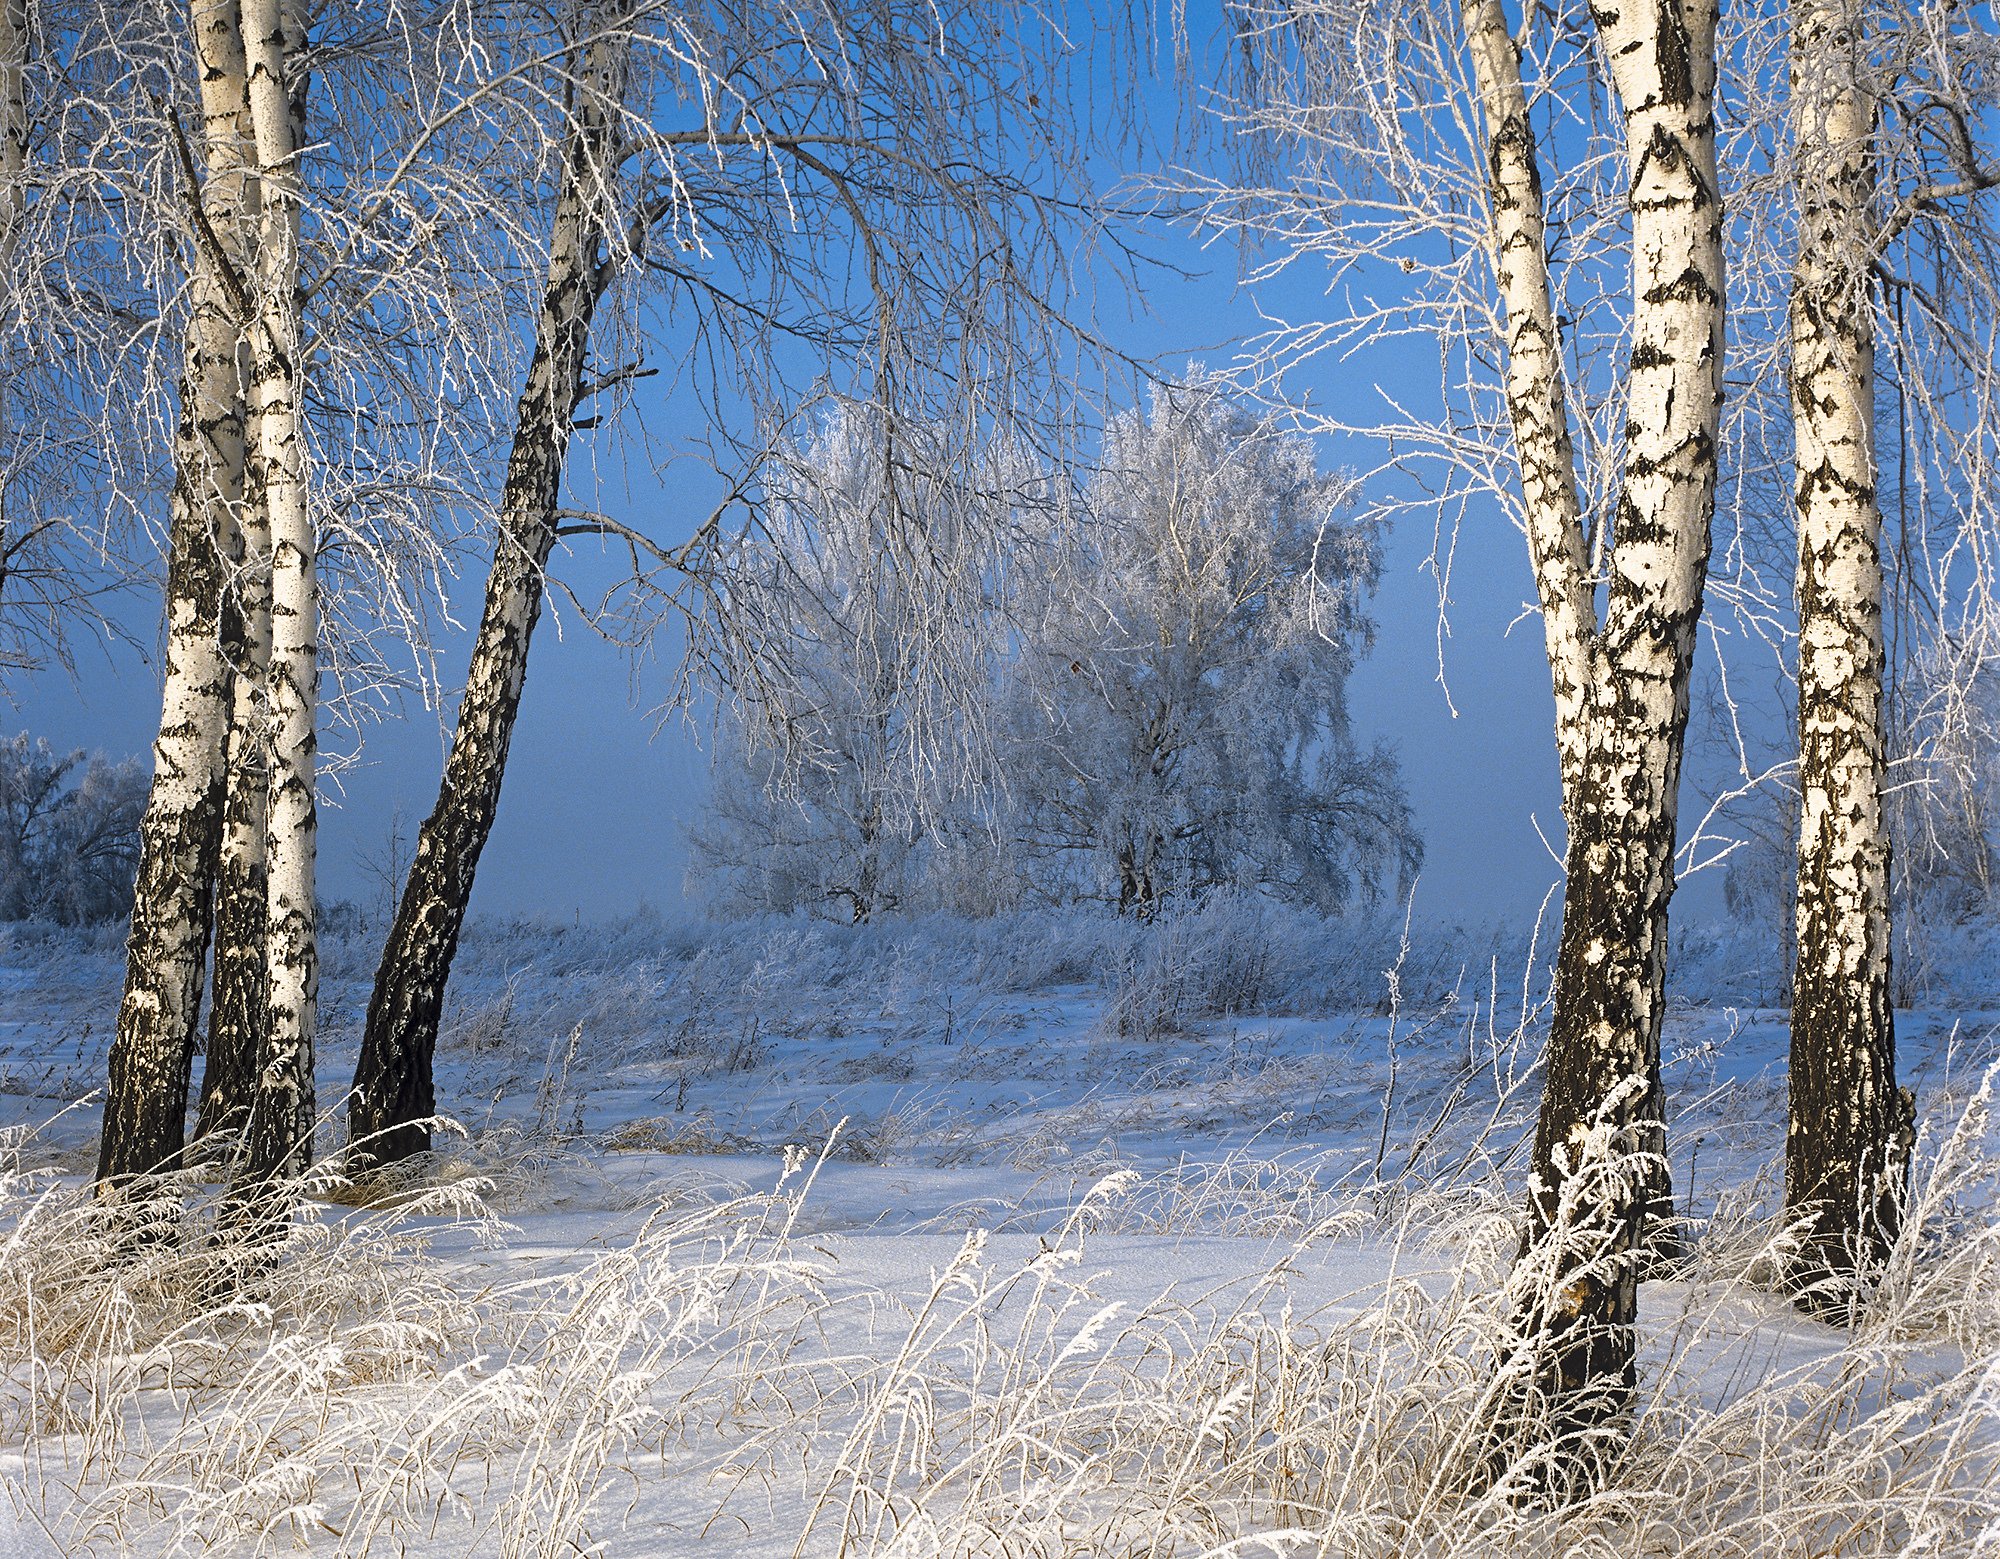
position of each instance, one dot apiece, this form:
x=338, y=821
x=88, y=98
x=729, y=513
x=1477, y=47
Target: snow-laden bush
x=1229, y=953
x=69, y=833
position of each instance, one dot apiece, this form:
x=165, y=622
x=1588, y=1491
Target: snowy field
x=1033, y=1236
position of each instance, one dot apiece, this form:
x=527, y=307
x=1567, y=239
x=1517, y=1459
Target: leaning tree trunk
x=145, y=1117
x=393, y=1097
x=1537, y=399
x=1604, y=1040
x=279, y=1142
x=1846, y=1160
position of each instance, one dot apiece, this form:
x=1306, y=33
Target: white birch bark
x=1537, y=402
x=237, y=1003
x=1622, y=688
x=236, y=999
x=1845, y=1158
x=1611, y=964
x=152, y=1052
x=283, y=1112
x=393, y=1093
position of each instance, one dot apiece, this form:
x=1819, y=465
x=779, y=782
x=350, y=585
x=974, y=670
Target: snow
x=789, y=1231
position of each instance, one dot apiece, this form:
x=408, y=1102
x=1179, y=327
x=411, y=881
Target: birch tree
x=1420, y=143
x=1847, y=1118
x=1892, y=186
x=1619, y=863
x=872, y=191
x=152, y=1053
x=851, y=748
x=282, y=1113
x=1179, y=696
x=393, y=1094
x=414, y=246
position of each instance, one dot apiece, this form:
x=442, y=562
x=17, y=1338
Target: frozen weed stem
x=399, y=1382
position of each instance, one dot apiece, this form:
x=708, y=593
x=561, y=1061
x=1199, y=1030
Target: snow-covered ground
x=1025, y=1236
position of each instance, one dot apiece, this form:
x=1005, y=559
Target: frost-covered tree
x=284, y=343
x=1844, y=1153
x=850, y=751
x=1892, y=176
x=392, y=1091
x=1179, y=707
x=69, y=834
x=1547, y=181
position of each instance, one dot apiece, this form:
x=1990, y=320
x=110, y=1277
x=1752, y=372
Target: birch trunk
x=1582, y=665
x=1846, y=1153
x=152, y=1053
x=1537, y=402
x=393, y=1095
x=1621, y=688
x=237, y=1006
x=282, y=1113
x=1604, y=1041
x=14, y=42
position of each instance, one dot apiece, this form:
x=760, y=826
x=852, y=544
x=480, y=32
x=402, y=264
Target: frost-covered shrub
x=69, y=833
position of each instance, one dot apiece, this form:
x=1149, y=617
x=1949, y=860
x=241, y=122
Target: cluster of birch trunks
x=228, y=840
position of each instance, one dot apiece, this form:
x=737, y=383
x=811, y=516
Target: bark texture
x=152, y=1053
x=282, y=1112
x=393, y=1095
x=1604, y=1040
x=14, y=43
x=236, y=1014
x=236, y=1003
x=1537, y=401
x=1846, y=1150
x=1621, y=688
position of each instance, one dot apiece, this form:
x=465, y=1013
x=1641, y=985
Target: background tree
x=69, y=834
x=852, y=749
x=1180, y=716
